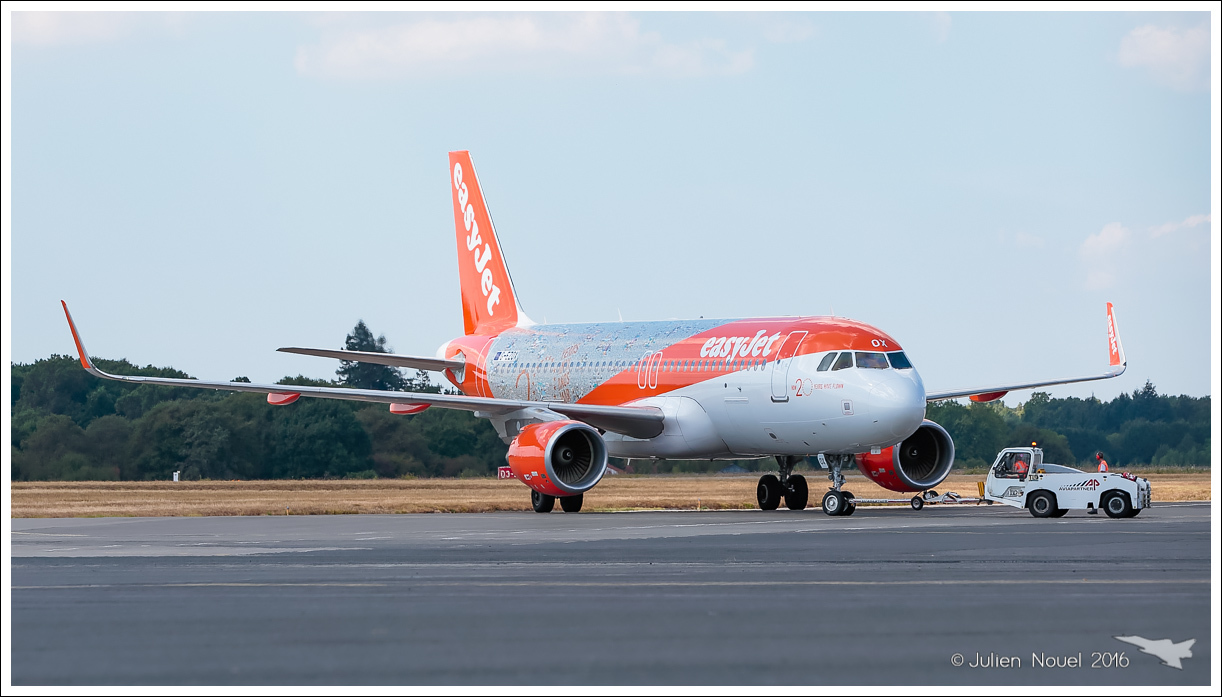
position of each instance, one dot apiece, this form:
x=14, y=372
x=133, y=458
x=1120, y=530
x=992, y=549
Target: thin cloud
x=788, y=31
x=1023, y=239
x=1174, y=57
x=1101, y=252
x=941, y=26
x=45, y=29
x=1168, y=228
x=604, y=42
x=1020, y=239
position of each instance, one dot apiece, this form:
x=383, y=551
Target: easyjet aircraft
x=567, y=396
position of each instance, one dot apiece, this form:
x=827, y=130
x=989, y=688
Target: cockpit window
x=845, y=361
x=899, y=361
x=826, y=362
x=869, y=359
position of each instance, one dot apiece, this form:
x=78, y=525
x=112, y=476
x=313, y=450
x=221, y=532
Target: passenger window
x=869, y=359
x=845, y=361
x=899, y=361
x=826, y=362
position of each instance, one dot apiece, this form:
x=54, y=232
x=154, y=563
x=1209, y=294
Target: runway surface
x=887, y=596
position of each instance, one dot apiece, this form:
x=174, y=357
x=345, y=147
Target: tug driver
x=1021, y=466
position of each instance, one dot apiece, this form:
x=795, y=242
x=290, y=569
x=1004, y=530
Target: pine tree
x=369, y=376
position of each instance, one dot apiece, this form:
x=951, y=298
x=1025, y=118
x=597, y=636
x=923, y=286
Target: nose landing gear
x=836, y=501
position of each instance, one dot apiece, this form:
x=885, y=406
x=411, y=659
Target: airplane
x=566, y=397
x=1163, y=649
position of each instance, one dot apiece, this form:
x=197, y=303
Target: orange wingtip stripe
x=989, y=396
x=80, y=350
x=1113, y=338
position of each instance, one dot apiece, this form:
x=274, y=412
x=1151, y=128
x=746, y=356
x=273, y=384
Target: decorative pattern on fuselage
x=566, y=362
x=617, y=363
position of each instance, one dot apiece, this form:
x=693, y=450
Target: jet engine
x=558, y=458
x=920, y=462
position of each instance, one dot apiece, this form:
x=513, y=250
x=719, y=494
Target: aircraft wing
x=418, y=362
x=637, y=422
x=1116, y=359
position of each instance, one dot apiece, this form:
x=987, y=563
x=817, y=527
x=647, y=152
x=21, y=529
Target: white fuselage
x=769, y=401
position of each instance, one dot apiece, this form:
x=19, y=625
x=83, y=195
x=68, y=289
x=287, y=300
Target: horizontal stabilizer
x=417, y=362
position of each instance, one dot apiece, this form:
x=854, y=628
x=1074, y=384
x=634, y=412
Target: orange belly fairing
x=621, y=362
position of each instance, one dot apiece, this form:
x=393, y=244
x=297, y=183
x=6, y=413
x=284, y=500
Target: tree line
x=1144, y=428
x=69, y=425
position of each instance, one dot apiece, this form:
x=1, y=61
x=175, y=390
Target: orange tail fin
x=489, y=303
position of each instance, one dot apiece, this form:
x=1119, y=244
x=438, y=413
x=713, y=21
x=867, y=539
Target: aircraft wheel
x=796, y=494
x=850, y=506
x=833, y=503
x=917, y=503
x=571, y=504
x=1117, y=505
x=1043, y=504
x=768, y=492
x=1060, y=512
x=542, y=503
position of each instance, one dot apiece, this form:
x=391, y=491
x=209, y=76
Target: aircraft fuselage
x=729, y=388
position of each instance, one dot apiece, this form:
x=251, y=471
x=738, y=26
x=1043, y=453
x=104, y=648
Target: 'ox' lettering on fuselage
x=482, y=256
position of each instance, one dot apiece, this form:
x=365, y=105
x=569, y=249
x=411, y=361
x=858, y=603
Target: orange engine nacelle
x=920, y=462
x=558, y=458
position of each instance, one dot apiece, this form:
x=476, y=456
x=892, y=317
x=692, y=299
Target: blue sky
x=205, y=187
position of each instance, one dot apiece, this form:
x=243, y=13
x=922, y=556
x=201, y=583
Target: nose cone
x=898, y=404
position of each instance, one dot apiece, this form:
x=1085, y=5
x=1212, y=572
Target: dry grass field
x=614, y=493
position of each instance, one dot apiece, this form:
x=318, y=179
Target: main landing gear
x=793, y=488
x=543, y=503
x=788, y=486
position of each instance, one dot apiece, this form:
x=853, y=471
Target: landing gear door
x=780, y=366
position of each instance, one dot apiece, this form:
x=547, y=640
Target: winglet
x=1115, y=349
x=86, y=362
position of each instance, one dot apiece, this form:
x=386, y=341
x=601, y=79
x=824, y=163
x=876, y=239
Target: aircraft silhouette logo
x=1163, y=649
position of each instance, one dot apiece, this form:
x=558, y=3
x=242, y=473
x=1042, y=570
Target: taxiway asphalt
x=886, y=596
